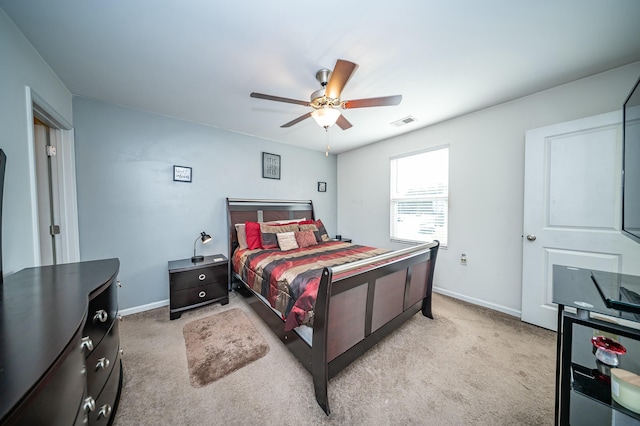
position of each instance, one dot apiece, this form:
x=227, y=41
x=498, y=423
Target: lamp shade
x=205, y=237
x=325, y=117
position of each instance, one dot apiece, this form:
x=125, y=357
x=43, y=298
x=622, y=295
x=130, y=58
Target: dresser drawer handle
x=105, y=411
x=86, y=343
x=103, y=363
x=201, y=277
x=89, y=404
x=101, y=316
x=202, y=294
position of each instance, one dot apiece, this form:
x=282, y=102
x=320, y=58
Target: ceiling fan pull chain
x=326, y=153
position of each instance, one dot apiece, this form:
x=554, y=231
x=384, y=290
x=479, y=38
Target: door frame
x=62, y=133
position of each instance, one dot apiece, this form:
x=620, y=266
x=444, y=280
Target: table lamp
x=205, y=238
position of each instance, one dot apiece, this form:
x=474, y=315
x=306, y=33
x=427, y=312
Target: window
x=420, y=196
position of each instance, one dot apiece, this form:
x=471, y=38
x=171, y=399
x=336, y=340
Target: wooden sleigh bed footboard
x=370, y=299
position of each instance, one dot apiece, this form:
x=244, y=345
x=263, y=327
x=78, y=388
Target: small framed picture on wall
x=322, y=186
x=181, y=174
x=270, y=166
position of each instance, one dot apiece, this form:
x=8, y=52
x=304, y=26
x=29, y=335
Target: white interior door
x=44, y=186
x=572, y=208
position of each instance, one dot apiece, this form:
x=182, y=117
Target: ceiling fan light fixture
x=325, y=117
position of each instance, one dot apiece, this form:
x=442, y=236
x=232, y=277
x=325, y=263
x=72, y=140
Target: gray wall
x=486, y=184
x=22, y=66
x=129, y=207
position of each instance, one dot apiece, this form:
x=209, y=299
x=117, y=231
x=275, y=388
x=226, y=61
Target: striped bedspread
x=289, y=280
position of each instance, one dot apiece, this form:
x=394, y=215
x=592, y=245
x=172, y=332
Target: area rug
x=221, y=344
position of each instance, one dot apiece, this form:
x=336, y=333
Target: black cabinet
x=583, y=393
x=195, y=284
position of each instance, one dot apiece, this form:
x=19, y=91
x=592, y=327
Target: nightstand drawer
x=195, y=295
x=198, y=277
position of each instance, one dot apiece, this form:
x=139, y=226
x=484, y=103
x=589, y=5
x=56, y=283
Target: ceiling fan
x=326, y=102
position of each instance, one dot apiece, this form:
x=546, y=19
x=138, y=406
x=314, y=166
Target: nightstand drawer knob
x=201, y=277
x=202, y=294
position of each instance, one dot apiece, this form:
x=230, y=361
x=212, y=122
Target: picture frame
x=270, y=166
x=322, y=186
x=181, y=174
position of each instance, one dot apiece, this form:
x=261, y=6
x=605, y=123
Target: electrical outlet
x=463, y=259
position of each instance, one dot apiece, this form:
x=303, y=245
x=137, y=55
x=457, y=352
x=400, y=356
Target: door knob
x=531, y=237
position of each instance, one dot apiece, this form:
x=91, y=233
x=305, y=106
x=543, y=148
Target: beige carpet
x=221, y=344
x=469, y=366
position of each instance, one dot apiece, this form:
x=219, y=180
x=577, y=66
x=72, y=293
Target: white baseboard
x=479, y=302
x=499, y=308
x=142, y=308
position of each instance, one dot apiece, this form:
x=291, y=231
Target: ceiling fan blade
x=339, y=77
x=372, y=102
x=297, y=120
x=343, y=122
x=278, y=99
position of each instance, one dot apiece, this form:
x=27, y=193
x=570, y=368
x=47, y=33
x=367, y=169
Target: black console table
x=581, y=396
x=60, y=358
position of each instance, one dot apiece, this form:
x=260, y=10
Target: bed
x=328, y=302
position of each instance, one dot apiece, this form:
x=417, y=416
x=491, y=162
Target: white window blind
x=420, y=196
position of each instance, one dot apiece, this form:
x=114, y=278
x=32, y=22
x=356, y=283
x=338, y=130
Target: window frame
x=394, y=199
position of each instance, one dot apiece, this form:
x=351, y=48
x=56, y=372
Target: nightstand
x=343, y=239
x=192, y=285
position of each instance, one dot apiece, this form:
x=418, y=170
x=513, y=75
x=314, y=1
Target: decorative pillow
x=322, y=232
x=242, y=235
x=309, y=227
x=252, y=231
x=285, y=221
x=268, y=234
x=305, y=239
x=287, y=240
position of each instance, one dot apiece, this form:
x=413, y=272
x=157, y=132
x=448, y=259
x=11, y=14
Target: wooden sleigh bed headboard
x=241, y=210
x=357, y=304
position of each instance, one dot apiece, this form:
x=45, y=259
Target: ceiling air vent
x=408, y=119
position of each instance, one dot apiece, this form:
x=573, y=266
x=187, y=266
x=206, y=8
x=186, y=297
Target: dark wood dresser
x=59, y=345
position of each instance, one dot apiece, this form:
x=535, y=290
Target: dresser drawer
x=60, y=401
x=106, y=402
x=102, y=360
x=198, y=277
x=197, y=295
x=103, y=309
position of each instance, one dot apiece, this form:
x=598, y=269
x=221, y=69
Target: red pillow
x=254, y=237
x=305, y=239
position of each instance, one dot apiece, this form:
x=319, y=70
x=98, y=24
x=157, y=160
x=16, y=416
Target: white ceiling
x=199, y=60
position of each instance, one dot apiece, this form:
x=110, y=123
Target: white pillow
x=242, y=235
x=287, y=240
